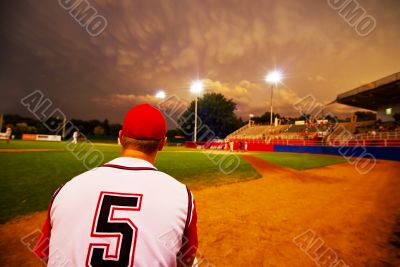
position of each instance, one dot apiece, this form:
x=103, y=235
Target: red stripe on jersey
x=41, y=249
x=130, y=168
x=189, y=212
x=190, y=243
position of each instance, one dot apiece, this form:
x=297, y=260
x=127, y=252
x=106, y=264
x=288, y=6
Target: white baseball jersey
x=124, y=213
x=8, y=131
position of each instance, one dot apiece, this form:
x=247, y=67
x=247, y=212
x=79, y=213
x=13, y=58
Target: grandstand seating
x=296, y=128
x=256, y=132
x=339, y=134
x=346, y=129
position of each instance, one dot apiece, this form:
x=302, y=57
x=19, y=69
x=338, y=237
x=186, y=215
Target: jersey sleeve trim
x=187, y=253
x=189, y=210
x=41, y=249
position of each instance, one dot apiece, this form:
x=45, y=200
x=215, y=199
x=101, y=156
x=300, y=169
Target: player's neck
x=139, y=155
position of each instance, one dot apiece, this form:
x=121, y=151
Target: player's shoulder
x=149, y=174
x=129, y=171
x=170, y=180
x=79, y=180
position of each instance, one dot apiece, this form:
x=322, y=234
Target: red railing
x=266, y=144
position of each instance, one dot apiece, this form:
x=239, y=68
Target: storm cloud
x=231, y=45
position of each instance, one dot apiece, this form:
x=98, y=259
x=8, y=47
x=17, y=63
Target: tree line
x=216, y=117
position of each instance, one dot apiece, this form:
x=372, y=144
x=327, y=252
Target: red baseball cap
x=144, y=122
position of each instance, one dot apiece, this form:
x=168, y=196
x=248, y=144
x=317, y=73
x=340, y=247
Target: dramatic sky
x=230, y=44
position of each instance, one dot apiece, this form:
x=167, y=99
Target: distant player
x=246, y=146
x=240, y=148
x=126, y=212
x=75, y=137
x=8, y=133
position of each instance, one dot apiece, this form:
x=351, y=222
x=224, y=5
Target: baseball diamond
x=201, y=133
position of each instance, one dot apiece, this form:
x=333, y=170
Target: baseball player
x=75, y=137
x=126, y=212
x=8, y=134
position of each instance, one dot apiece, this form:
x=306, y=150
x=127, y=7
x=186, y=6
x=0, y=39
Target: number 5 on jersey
x=105, y=225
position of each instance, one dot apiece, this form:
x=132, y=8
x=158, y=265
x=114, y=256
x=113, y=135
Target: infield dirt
x=254, y=223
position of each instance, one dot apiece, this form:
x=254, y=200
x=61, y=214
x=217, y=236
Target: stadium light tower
x=64, y=124
x=196, y=88
x=250, y=117
x=160, y=94
x=273, y=78
x=1, y=122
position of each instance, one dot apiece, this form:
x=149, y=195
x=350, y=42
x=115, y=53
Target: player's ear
x=162, y=144
x=120, y=137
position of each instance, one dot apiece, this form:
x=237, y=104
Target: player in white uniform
x=75, y=137
x=126, y=212
x=8, y=134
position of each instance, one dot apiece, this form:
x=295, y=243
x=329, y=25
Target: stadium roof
x=385, y=91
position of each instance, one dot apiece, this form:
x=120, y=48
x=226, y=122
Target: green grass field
x=18, y=144
x=28, y=179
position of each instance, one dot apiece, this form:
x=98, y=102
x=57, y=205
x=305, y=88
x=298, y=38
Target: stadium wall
x=218, y=145
x=388, y=153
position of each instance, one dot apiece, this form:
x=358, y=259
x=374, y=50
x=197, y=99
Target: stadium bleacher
x=345, y=133
x=381, y=96
x=260, y=132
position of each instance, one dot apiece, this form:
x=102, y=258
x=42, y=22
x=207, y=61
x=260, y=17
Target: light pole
x=273, y=78
x=63, y=129
x=1, y=122
x=196, y=88
x=250, y=116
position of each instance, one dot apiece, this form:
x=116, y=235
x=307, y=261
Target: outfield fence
x=388, y=149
